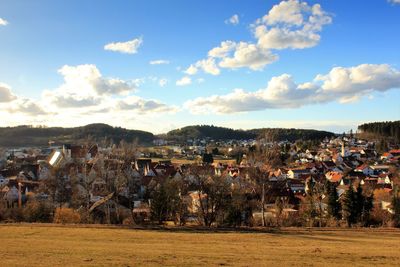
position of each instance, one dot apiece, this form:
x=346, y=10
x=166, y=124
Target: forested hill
x=221, y=133
x=35, y=136
x=21, y=136
x=281, y=134
x=389, y=129
x=206, y=131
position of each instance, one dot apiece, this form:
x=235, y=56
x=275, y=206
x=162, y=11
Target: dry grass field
x=40, y=245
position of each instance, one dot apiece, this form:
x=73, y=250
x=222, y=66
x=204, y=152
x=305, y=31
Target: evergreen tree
x=359, y=203
x=208, y=158
x=333, y=201
x=368, y=206
x=159, y=205
x=396, y=207
x=348, y=211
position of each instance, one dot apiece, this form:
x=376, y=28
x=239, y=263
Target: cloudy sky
x=158, y=65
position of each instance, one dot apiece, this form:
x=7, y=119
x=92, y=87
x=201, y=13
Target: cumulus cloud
x=340, y=84
x=84, y=86
x=129, y=47
x=207, y=65
x=84, y=97
x=248, y=55
x=234, y=20
x=143, y=106
x=159, y=62
x=27, y=106
x=3, y=22
x=5, y=93
x=184, y=81
x=11, y=103
x=291, y=24
x=192, y=70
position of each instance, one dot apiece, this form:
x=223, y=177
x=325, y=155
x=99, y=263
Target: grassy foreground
x=39, y=245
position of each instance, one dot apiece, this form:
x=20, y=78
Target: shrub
x=13, y=215
x=38, y=211
x=380, y=217
x=128, y=221
x=66, y=215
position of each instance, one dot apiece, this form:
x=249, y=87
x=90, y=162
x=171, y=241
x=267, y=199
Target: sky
x=160, y=65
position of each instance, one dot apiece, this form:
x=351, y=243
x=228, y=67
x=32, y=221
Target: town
x=341, y=180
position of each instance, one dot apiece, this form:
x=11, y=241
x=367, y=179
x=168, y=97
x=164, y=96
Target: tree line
x=26, y=135
x=222, y=133
x=382, y=129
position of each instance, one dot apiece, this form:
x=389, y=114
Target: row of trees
x=41, y=211
x=221, y=204
x=212, y=200
x=21, y=136
x=222, y=133
x=383, y=129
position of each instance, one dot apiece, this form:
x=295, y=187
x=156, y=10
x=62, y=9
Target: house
x=329, y=165
x=10, y=196
x=296, y=186
x=365, y=169
x=194, y=201
x=395, y=152
x=334, y=177
x=56, y=158
x=3, y=181
x=296, y=173
x=384, y=179
x=377, y=169
x=386, y=156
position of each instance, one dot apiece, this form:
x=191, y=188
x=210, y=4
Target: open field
x=40, y=245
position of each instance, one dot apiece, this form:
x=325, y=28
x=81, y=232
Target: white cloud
x=207, y=65
x=340, y=84
x=143, y=106
x=27, y=106
x=84, y=86
x=291, y=24
x=394, y=1
x=86, y=93
x=129, y=47
x=5, y=93
x=162, y=82
x=234, y=20
x=184, y=81
x=12, y=104
x=85, y=97
x=248, y=55
x=159, y=62
x=3, y=22
x=192, y=70
x=223, y=50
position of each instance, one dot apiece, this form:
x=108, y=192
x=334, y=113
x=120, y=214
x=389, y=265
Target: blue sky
x=306, y=64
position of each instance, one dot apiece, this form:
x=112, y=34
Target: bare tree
x=212, y=191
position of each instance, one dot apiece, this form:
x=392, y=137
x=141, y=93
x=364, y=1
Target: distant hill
x=206, y=131
x=21, y=136
x=34, y=136
x=281, y=134
x=222, y=133
x=387, y=129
